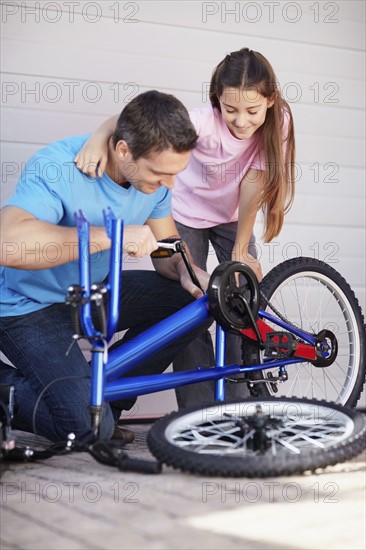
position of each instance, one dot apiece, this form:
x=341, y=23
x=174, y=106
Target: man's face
x=148, y=174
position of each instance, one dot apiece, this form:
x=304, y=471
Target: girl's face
x=244, y=111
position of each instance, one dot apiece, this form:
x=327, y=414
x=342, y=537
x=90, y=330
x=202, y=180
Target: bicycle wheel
x=312, y=295
x=258, y=438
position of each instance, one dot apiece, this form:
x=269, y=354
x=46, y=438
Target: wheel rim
x=311, y=300
x=298, y=428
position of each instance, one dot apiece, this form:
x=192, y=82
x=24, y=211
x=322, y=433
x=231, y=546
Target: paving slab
x=73, y=502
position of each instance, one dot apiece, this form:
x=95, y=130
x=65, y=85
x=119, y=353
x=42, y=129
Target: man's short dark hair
x=154, y=121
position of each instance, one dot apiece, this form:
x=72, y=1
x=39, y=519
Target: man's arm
x=24, y=240
x=174, y=267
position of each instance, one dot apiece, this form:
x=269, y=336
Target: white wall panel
x=283, y=20
x=54, y=98
x=67, y=66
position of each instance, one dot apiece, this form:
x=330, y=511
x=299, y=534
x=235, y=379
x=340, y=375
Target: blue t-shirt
x=52, y=189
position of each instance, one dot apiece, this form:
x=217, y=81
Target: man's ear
x=122, y=149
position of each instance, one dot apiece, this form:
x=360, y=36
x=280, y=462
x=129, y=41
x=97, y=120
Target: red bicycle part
x=303, y=351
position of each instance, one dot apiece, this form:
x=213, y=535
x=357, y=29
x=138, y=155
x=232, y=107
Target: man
x=151, y=144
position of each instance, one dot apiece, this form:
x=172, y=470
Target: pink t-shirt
x=206, y=193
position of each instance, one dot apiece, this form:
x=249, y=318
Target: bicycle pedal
x=167, y=247
x=162, y=253
x=280, y=345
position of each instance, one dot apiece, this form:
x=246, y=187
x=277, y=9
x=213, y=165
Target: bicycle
x=262, y=435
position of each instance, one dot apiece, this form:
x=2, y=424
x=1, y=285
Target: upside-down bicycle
x=303, y=359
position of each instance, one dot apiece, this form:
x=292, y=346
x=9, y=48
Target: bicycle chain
x=282, y=316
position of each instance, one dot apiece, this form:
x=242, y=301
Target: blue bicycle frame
x=108, y=368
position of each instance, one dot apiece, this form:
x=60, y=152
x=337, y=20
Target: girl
x=243, y=162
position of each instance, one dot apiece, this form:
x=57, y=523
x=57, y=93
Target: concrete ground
x=74, y=502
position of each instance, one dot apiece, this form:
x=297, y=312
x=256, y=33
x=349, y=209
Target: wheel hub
x=326, y=348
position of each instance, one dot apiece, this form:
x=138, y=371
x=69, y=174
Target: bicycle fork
x=85, y=295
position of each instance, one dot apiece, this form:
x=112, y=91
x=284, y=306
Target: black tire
x=219, y=440
x=314, y=296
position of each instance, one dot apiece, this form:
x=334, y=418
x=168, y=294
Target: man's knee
x=81, y=425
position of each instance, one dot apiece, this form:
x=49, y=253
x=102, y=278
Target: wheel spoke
x=258, y=438
x=286, y=433
x=314, y=302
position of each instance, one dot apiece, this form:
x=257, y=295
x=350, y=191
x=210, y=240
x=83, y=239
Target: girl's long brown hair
x=244, y=70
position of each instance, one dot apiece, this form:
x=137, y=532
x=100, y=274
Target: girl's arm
x=92, y=157
x=250, y=191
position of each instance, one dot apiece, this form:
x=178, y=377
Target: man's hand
x=187, y=283
x=138, y=240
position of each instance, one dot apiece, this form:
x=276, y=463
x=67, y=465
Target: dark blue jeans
x=37, y=344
